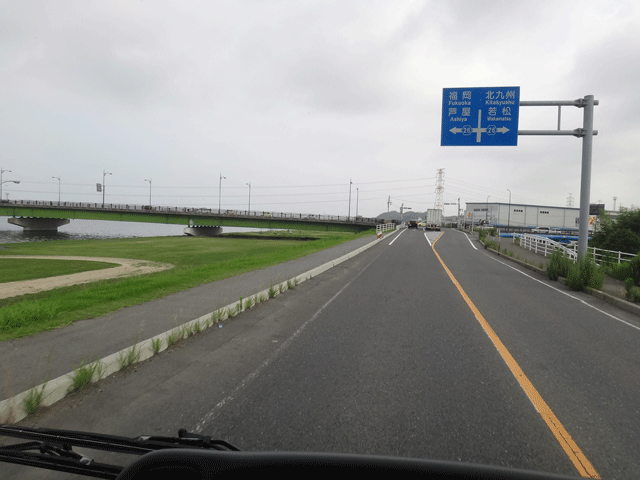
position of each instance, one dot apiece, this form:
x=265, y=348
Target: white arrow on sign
x=455, y=130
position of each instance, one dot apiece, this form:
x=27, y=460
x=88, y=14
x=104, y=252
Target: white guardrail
x=545, y=246
x=384, y=227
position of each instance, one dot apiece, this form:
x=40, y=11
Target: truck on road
x=434, y=219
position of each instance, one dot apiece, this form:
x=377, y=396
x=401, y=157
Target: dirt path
x=127, y=268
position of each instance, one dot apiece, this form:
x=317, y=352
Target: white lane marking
x=425, y=236
x=565, y=293
x=474, y=247
x=397, y=236
x=210, y=416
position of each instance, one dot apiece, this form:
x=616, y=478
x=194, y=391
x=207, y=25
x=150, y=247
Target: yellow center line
x=584, y=467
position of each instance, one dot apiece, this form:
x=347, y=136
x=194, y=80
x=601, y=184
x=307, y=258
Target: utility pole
x=388, y=203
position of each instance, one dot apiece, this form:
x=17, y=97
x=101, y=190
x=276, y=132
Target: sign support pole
x=586, y=132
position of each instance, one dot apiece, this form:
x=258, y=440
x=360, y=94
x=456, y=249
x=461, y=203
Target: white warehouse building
x=523, y=216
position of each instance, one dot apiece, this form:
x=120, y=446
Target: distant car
x=412, y=224
x=545, y=231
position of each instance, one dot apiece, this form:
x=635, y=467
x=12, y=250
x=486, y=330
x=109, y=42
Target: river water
x=96, y=229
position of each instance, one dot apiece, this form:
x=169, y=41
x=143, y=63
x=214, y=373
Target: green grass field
x=18, y=269
x=197, y=260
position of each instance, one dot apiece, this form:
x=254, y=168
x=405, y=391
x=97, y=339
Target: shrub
x=559, y=265
x=482, y=234
x=492, y=245
x=634, y=269
x=633, y=292
x=585, y=274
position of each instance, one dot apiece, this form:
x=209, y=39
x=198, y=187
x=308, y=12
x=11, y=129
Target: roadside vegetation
x=196, y=260
x=586, y=274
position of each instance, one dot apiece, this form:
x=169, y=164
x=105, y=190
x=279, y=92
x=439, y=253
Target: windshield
x=248, y=220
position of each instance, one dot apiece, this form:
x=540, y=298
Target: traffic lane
x=395, y=365
x=582, y=361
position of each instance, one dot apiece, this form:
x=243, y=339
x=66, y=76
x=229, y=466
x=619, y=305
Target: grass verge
x=196, y=260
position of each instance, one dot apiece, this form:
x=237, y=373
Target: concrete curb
x=13, y=409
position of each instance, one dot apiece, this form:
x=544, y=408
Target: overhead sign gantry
x=488, y=116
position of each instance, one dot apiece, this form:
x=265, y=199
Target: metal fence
x=545, y=246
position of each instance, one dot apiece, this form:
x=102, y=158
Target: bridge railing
x=308, y=217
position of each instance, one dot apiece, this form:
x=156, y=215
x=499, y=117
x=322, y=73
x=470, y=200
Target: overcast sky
x=300, y=97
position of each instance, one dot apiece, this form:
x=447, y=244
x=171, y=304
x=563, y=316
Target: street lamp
x=58, y=188
x=1, y=182
x=7, y=181
x=249, y=210
x=486, y=215
x=349, y=216
x=104, y=174
x=149, y=180
x=220, y=192
x=509, y=217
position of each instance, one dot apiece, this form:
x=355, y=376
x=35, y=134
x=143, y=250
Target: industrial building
x=519, y=216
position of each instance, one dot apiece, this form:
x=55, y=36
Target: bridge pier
x=203, y=231
x=33, y=224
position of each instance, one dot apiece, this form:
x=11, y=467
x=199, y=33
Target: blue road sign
x=480, y=116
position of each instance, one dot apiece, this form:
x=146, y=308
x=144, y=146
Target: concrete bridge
x=35, y=215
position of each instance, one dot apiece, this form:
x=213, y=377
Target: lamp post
x=349, y=215
x=486, y=215
x=7, y=181
x=249, y=209
x=357, y=199
x=509, y=217
x=1, y=182
x=104, y=174
x=58, y=188
x=220, y=192
x=149, y=180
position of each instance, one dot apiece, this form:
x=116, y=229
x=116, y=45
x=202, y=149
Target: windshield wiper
x=53, y=449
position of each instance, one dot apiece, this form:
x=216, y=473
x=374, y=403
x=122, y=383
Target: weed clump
x=33, y=400
x=558, y=266
x=128, y=358
x=585, y=274
x=85, y=374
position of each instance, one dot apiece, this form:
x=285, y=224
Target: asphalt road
x=383, y=355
